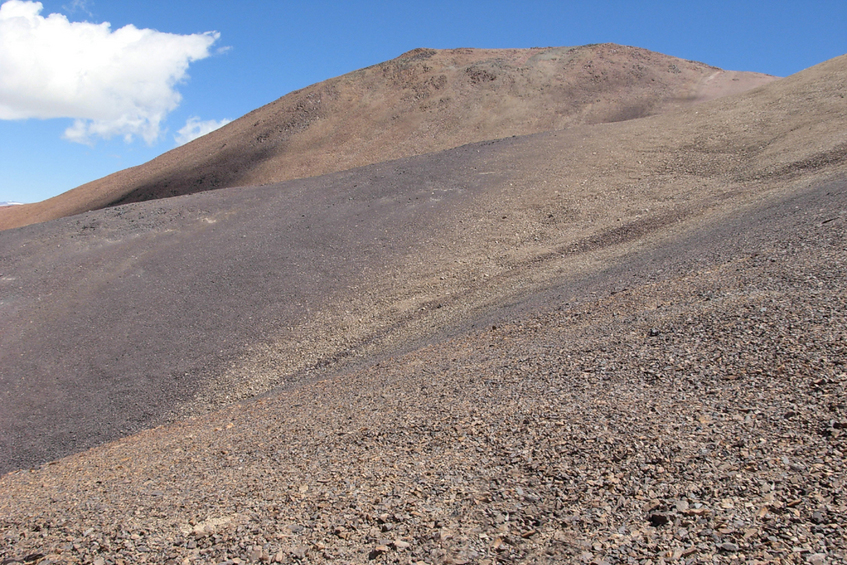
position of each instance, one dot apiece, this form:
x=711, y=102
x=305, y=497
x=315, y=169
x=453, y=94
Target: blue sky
x=80, y=102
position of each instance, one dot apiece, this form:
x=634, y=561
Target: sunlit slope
x=425, y=100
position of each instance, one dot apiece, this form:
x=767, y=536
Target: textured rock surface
x=690, y=415
x=425, y=100
x=616, y=343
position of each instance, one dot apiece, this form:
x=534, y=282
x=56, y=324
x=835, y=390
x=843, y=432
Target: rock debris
x=699, y=418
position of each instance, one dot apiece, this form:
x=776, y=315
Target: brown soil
x=423, y=101
x=617, y=342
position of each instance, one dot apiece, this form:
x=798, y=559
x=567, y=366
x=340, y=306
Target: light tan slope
x=423, y=101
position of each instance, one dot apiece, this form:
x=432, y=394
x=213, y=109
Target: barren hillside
x=423, y=101
x=618, y=342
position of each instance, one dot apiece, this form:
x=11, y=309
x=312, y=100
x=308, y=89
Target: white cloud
x=120, y=82
x=194, y=128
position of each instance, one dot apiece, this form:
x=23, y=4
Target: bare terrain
x=424, y=101
x=608, y=342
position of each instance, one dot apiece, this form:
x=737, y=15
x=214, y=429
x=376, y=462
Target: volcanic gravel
x=617, y=343
x=697, y=416
x=118, y=320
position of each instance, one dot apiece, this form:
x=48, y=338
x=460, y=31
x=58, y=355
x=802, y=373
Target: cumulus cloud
x=120, y=82
x=194, y=128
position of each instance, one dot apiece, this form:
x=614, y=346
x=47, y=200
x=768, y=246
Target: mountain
x=616, y=342
x=424, y=101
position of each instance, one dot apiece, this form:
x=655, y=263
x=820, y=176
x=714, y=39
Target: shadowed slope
x=118, y=319
x=423, y=101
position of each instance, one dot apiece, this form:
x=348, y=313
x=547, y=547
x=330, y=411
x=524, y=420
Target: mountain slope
x=125, y=317
x=620, y=343
x=685, y=403
x=423, y=101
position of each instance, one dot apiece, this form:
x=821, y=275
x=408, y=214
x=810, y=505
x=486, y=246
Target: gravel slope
x=426, y=100
x=686, y=406
x=125, y=318
x=613, y=343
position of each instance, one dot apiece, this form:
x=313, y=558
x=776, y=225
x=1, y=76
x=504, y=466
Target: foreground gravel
x=695, y=418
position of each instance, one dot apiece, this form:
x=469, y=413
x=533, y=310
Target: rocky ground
x=423, y=101
x=690, y=412
x=614, y=343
